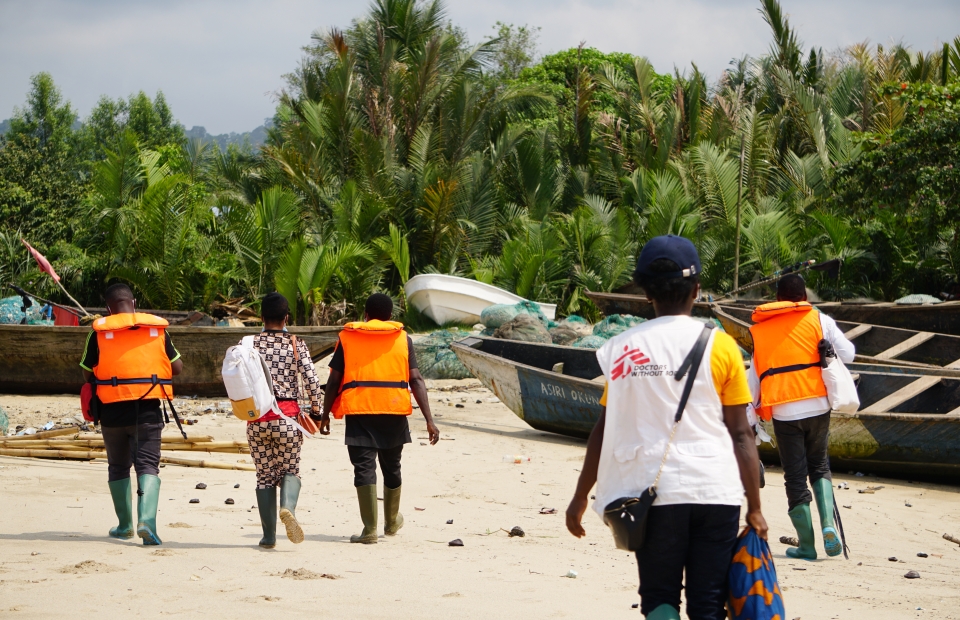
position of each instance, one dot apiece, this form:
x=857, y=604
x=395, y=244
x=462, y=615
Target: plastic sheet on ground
x=435, y=358
x=524, y=328
x=615, y=324
x=11, y=314
x=498, y=314
x=917, y=299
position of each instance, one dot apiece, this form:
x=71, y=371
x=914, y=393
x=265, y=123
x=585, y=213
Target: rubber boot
x=803, y=523
x=267, y=505
x=123, y=506
x=393, y=520
x=289, y=493
x=147, y=509
x=367, y=496
x=823, y=493
x=664, y=612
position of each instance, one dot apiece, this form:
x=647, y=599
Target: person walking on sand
x=372, y=373
x=787, y=386
x=131, y=360
x=274, y=441
x=708, y=458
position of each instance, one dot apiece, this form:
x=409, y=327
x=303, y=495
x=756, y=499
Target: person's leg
x=117, y=444
x=147, y=464
x=660, y=561
x=818, y=464
x=365, y=480
x=791, y=444
x=258, y=438
x=390, y=466
x=289, y=443
x=713, y=538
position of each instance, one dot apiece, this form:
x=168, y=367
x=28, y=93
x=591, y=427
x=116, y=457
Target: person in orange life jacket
x=372, y=373
x=710, y=461
x=786, y=385
x=132, y=359
x=275, y=442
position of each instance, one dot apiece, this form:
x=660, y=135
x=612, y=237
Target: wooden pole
x=57, y=432
x=86, y=455
x=207, y=464
x=736, y=243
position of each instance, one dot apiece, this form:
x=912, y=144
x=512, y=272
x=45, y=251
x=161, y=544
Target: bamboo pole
x=57, y=432
x=233, y=447
x=207, y=464
x=85, y=455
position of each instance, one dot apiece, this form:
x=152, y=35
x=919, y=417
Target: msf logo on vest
x=624, y=365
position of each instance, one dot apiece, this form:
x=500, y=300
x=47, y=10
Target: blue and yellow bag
x=754, y=591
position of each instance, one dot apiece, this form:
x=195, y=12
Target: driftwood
x=86, y=455
x=952, y=539
x=234, y=447
x=57, y=432
x=207, y=464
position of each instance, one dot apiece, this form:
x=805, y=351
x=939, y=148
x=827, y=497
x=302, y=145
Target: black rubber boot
x=267, y=505
x=367, y=496
x=289, y=493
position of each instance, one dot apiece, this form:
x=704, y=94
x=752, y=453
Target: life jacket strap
x=785, y=369
x=114, y=382
x=375, y=384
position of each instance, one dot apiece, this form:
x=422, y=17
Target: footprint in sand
x=179, y=524
x=88, y=567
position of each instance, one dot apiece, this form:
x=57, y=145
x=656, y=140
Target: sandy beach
x=57, y=558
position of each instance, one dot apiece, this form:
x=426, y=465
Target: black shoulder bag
x=627, y=517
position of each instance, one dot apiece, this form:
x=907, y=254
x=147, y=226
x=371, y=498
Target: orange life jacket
x=786, y=339
x=376, y=370
x=133, y=358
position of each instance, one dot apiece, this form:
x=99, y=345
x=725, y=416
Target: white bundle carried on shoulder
x=248, y=381
x=841, y=389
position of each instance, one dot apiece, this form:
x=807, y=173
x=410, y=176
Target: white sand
x=55, y=515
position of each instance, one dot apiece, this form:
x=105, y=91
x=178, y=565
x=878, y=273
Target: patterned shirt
x=277, y=349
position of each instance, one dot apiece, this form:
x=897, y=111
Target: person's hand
x=325, y=423
x=757, y=522
x=434, y=433
x=578, y=506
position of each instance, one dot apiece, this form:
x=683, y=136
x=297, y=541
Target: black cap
x=678, y=249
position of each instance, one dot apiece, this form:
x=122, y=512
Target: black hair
x=379, y=307
x=666, y=290
x=117, y=292
x=791, y=287
x=274, y=307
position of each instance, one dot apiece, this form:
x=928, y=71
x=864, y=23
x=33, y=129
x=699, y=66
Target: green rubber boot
x=664, y=612
x=289, y=493
x=823, y=493
x=803, y=523
x=147, y=509
x=267, y=505
x=367, y=496
x=123, y=506
x=391, y=511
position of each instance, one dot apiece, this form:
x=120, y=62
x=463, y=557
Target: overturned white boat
x=451, y=299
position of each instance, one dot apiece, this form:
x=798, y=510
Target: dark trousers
x=698, y=539
x=132, y=445
x=803, y=453
x=364, y=461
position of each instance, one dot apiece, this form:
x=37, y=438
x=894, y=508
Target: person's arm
x=588, y=478
x=329, y=396
x=419, y=388
x=309, y=373
x=846, y=351
x=176, y=364
x=176, y=367
x=745, y=450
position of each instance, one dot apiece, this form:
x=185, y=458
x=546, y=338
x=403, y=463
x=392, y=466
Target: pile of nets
x=570, y=329
x=11, y=314
x=4, y=422
x=917, y=299
x=496, y=315
x=524, y=328
x=606, y=329
x=435, y=358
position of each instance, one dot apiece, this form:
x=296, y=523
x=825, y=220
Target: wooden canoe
x=39, y=359
x=941, y=318
x=909, y=420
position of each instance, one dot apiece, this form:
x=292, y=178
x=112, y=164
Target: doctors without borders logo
x=635, y=363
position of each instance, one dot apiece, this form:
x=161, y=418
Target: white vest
x=642, y=400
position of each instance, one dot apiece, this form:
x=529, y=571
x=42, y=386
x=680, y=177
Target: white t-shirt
x=641, y=400
x=809, y=407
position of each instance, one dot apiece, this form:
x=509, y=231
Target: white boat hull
x=451, y=299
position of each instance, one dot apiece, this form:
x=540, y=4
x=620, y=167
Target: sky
x=220, y=63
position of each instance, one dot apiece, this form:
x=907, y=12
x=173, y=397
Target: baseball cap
x=678, y=249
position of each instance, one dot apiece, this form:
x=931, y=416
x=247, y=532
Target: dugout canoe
x=41, y=359
x=451, y=299
x=909, y=421
x=943, y=318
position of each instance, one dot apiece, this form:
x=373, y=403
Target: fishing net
x=525, y=328
x=11, y=314
x=917, y=299
x=498, y=314
x=577, y=324
x=589, y=342
x=4, y=422
x=615, y=324
x=435, y=358
x=563, y=335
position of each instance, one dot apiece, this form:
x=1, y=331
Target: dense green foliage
x=400, y=148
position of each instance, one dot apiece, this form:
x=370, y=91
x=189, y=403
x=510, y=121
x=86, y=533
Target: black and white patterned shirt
x=277, y=349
